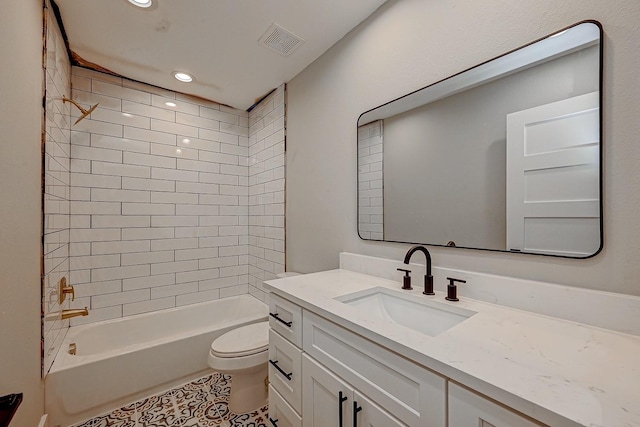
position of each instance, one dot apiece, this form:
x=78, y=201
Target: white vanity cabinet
x=324, y=375
x=414, y=395
x=329, y=401
x=309, y=376
x=467, y=408
x=285, y=363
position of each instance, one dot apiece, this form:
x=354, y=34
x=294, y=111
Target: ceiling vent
x=282, y=41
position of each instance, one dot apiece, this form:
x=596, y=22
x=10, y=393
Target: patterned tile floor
x=200, y=403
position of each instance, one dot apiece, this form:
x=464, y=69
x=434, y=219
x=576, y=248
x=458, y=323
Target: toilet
x=243, y=352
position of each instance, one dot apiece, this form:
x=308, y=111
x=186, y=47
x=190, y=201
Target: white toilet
x=243, y=352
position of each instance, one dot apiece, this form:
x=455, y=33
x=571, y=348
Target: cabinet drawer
x=286, y=318
x=467, y=408
x=285, y=369
x=280, y=413
x=413, y=394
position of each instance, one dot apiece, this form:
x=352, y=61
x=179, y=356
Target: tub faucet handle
x=70, y=290
x=63, y=290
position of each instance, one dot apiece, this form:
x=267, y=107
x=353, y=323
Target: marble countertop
x=559, y=372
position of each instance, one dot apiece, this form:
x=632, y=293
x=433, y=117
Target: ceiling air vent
x=282, y=41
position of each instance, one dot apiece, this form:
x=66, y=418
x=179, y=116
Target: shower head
x=84, y=112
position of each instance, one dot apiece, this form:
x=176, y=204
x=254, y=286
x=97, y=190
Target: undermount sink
x=412, y=311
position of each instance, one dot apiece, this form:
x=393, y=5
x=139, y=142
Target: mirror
x=504, y=156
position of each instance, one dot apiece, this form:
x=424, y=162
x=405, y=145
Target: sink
x=411, y=311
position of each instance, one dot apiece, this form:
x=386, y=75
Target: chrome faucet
x=428, y=278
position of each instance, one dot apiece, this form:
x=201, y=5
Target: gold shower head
x=84, y=112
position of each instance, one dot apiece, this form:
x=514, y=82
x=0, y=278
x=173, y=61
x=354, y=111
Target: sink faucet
x=428, y=278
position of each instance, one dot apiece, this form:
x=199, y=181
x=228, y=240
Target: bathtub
x=121, y=360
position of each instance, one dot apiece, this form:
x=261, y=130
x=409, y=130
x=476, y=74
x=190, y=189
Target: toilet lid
x=243, y=341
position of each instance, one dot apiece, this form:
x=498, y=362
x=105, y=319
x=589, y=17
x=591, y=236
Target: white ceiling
x=214, y=40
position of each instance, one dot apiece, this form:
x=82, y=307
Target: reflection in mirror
x=504, y=156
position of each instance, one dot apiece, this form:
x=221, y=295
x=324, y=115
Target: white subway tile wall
x=266, y=143
x=370, y=189
x=162, y=198
x=57, y=194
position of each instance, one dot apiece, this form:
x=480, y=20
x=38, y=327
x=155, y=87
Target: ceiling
x=217, y=41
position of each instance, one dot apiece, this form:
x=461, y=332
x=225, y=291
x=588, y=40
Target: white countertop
x=559, y=372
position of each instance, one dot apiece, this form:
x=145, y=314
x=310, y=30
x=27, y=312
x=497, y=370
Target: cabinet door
x=467, y=408
x=414, y=395
x=326, y=399
x=368, y=414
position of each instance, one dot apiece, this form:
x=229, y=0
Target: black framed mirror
x=504, y=156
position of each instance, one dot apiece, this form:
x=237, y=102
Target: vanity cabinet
x=335, y=377
x=309, y=376
x=329, y=401
x=414, y=395
x=467, y=408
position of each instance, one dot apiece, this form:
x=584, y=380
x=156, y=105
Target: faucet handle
x=406, y=280
x=63, y=290
x=452, y=289
x=70, y=290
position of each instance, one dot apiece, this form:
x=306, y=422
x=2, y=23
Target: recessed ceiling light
x=170, y=104
x=142, y=3
x=183, y=77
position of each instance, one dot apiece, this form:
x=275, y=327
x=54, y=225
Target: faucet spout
x=68, y=314
x=428, y=277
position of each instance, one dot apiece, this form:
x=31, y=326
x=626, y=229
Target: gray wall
x=445, y=163
x=423, y=42
x=21, y=208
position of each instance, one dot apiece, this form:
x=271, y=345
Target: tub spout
x=68, y=314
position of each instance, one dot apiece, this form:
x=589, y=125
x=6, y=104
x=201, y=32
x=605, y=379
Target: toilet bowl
x=243, y=352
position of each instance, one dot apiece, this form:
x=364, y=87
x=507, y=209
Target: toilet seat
x=243, y=341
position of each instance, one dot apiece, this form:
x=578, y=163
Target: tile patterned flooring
x=199, y=403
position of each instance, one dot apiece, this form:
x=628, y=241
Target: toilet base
x=249, y=390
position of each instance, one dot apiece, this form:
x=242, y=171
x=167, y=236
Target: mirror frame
x=601, y=146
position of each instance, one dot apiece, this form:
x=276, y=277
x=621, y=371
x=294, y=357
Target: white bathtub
x=119, y=361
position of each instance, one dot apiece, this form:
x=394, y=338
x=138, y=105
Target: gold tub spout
x=68, y=314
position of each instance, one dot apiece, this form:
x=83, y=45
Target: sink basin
x=411, y=311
